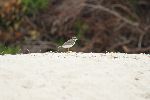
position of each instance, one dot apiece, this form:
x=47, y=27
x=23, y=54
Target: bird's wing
x=69, y=42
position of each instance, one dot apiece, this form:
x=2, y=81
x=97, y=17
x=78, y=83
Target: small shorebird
x=69, y=43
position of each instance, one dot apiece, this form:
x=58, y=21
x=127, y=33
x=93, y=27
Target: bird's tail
x=58, y=48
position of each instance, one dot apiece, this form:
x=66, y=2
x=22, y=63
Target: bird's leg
x=68, y=49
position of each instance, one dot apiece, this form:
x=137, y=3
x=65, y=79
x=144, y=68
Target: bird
x=70, y=43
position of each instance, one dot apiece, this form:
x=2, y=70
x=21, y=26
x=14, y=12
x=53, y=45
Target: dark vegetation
x=100, y=25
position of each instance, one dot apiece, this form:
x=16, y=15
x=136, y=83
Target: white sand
x=75, y=76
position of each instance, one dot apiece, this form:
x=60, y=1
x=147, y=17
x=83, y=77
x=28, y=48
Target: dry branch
x=126, y=9
x=30, y=22
x=113, y=13
x=136, y=50
x=120, y=44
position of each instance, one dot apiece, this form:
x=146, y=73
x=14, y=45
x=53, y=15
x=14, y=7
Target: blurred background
x=28, y=26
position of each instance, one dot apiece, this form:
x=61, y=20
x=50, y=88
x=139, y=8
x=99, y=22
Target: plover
x=69, y=43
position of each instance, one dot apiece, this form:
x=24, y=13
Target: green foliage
x=32, y=6
x=3, y=23
x=8, y=49
x=133, y=2
x=80, y=28
x=60, y=41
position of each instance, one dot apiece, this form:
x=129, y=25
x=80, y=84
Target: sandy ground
x=75, y=76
